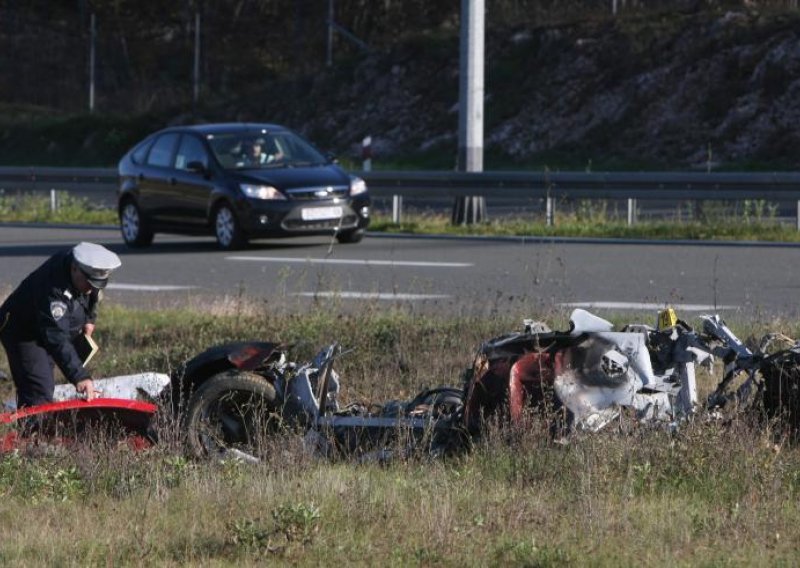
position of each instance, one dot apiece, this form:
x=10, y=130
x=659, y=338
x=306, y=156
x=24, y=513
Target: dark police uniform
x=40, y=320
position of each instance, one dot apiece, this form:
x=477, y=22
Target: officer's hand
x=86, y=389
x=88, y=329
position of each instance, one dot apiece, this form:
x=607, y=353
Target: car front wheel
x=227, y=229
x=133, y=226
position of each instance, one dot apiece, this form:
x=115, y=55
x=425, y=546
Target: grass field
x=714, y=494
x=754, y=221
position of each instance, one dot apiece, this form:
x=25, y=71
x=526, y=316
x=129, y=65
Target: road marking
x=349, y=261
x=146, y=287
x=647, y=306
x=372, y=296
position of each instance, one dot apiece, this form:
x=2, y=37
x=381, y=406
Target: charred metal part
x=251, y=356
x=591, y=370
x=221, y=358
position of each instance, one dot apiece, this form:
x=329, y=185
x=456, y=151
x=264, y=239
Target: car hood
x=291, y=178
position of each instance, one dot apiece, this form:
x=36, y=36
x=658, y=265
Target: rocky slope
x=677, y=91
x=685, y=91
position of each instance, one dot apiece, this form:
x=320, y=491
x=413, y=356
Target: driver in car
x=255, y=154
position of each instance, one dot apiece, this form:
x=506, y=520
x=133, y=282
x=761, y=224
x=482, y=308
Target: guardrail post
x=550, y=214
x=798, y=215
x=469, y=210
x=53, y=201
x=631, y=211
x=397, y=209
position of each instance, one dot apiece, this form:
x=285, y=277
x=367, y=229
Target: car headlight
x=357, y=185
x=261, y=191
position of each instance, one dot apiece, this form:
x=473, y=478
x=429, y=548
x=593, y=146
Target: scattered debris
x=235, y=400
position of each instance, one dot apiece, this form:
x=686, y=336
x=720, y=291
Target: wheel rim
x=130, y=222
x=226, y=225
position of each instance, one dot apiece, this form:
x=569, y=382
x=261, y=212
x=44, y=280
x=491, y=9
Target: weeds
x=629, y=496
x=756, y=220
x=34, y=208
x=292, y=524
x=39, y=480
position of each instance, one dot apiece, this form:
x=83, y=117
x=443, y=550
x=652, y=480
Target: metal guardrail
x=579, y=185
x=551, y=186
x=66, y=179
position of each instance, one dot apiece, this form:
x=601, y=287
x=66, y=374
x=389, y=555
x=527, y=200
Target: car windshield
x=263, y=149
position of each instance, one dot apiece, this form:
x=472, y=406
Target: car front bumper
x=287, y=218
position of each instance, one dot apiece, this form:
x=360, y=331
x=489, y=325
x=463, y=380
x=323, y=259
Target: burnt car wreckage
x=234, y=399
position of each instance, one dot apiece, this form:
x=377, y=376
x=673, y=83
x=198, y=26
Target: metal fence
x=551, y=187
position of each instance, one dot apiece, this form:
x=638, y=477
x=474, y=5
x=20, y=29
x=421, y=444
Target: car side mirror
x=196, y=166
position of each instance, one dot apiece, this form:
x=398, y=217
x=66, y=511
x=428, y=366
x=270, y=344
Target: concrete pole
x=470, y=111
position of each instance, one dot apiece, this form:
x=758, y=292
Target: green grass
x=714, y=493
x=719, y=221
x=33, y=208
x=571, y=225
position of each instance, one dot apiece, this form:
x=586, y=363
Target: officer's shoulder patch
x=58, y=309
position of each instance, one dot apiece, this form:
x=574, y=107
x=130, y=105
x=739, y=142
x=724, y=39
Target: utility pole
x=329, y=58
x=92, y=41
x=196, y=71
x=471, y=209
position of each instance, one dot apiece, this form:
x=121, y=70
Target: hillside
x=715, y=88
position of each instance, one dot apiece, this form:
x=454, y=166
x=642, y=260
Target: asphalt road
x=464, y=276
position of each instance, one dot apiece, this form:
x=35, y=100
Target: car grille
x=319, y=192
x=346, y=221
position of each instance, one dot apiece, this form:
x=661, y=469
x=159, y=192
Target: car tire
x=135, y=229
x=350, y=237
x=227, y=229
x=232, y=411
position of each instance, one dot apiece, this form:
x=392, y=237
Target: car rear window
x=161, y=152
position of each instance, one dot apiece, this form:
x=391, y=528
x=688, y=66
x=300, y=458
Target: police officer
x=41, y=318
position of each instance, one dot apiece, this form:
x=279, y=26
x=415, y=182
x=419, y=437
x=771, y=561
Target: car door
x=156, y=178
x=191, y=191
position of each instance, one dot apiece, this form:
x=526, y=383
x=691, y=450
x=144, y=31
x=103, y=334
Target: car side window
x=140, y=152
x=161, y=152
x=190, y=150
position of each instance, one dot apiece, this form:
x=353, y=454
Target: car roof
x=225, y=127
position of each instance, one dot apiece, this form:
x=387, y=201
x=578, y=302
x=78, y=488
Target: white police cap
x=96, y=262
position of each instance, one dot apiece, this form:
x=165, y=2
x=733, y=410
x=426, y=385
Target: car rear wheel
x=227, y=229
x=350, y=237
x=134, y=227
x=232, y=413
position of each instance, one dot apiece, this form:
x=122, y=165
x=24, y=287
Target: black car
x=236, y=181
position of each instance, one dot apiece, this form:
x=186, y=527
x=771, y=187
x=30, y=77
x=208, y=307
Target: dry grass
x=714, y=493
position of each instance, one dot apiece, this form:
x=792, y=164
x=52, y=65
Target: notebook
x=86, y=348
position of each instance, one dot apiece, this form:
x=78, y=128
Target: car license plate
x=317, y=213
